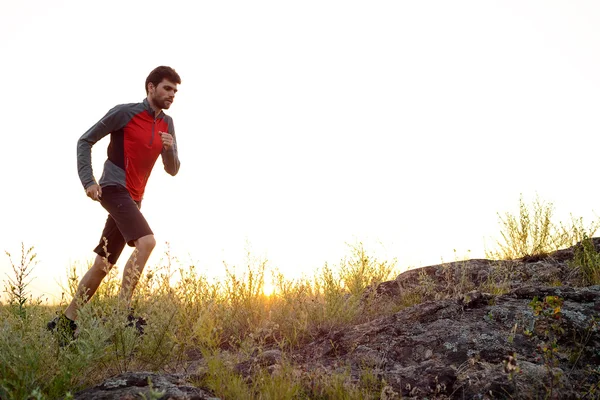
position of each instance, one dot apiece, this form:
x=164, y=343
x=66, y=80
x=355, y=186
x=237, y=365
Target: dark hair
x=160, y=73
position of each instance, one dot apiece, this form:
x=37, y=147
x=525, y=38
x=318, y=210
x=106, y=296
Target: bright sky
x=303, y=125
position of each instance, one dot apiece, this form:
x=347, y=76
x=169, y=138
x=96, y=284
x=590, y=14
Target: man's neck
x=156, y=109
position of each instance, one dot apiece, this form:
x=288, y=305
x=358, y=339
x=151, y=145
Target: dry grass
x=533, y=232
x=189, y=317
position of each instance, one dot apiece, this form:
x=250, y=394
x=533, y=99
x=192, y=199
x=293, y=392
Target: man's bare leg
x=88, y=285
x=134, y=267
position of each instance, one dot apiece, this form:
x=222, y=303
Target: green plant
x=293, y=308
x=582, y=341
x=548, y=313
x=575, y=231
x=244, y=299
x=16, y=287
x=223, y=381
x=587, y=260
x=153, y=394
x=281, y=384
x=528, y=233
x=533, y=233
x=361, y=270
x=427, y=286
x=593, y=386
x=341, y=386
x=31, y=359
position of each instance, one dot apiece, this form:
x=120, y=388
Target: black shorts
x=125, y=223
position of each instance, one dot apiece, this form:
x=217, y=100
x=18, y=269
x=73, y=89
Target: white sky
x=303, y=125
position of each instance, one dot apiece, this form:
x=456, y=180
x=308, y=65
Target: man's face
x=163, y=95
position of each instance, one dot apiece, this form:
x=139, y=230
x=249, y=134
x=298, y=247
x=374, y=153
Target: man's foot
x=137, y=322
x=64, y=328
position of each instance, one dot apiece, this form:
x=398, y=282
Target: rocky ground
x=463, y=340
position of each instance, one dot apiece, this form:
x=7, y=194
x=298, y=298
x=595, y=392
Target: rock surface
x=464, y=348
x=468, y=344
x=135, y=385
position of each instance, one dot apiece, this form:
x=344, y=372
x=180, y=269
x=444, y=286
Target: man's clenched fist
x=94, y=192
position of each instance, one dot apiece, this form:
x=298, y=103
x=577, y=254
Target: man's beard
x=164, y=104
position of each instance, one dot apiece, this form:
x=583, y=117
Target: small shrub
x=361, y=270
x=549, y=327
x=341, y=385
x=223, y=381
x=526, y=234
x=587, y=260
x=533, y=233
x=16, y=287
x=281, y=384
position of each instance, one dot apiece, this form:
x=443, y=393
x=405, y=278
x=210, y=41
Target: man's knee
x=145, y=243
x=101, y=265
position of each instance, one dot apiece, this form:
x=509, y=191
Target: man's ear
x=151, y=87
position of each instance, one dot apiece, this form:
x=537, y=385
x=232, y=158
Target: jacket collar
x=150, y=110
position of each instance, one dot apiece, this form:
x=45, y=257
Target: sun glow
x=268, y=289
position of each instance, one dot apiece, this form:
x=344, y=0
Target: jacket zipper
x=152, y=136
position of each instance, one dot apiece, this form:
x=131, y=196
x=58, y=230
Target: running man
x=139, y=133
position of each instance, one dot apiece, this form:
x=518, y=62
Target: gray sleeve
x=112, y=121
x=170, y=157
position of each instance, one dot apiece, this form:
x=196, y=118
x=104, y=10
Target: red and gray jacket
x=135, y=145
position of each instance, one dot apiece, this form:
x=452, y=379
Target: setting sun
x=268, y=289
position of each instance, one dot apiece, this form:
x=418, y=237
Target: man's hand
x=167, y=140
x=94, y=192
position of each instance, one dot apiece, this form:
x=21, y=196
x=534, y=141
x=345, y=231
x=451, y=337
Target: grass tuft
x=533, y=233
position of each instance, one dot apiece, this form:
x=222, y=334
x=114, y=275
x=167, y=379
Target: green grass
x=230, y=321
x=587, y=261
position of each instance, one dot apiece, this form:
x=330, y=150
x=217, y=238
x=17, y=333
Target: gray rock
x=269, y=357
x=131, y=385
x=458, y=348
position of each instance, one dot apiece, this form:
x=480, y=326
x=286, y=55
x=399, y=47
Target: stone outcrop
x=475, y=346
x=461, y=276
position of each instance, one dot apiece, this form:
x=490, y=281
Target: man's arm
x=102, y=128
x=170, y=156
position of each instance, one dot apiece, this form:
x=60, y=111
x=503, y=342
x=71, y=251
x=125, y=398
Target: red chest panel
x=142, y=145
